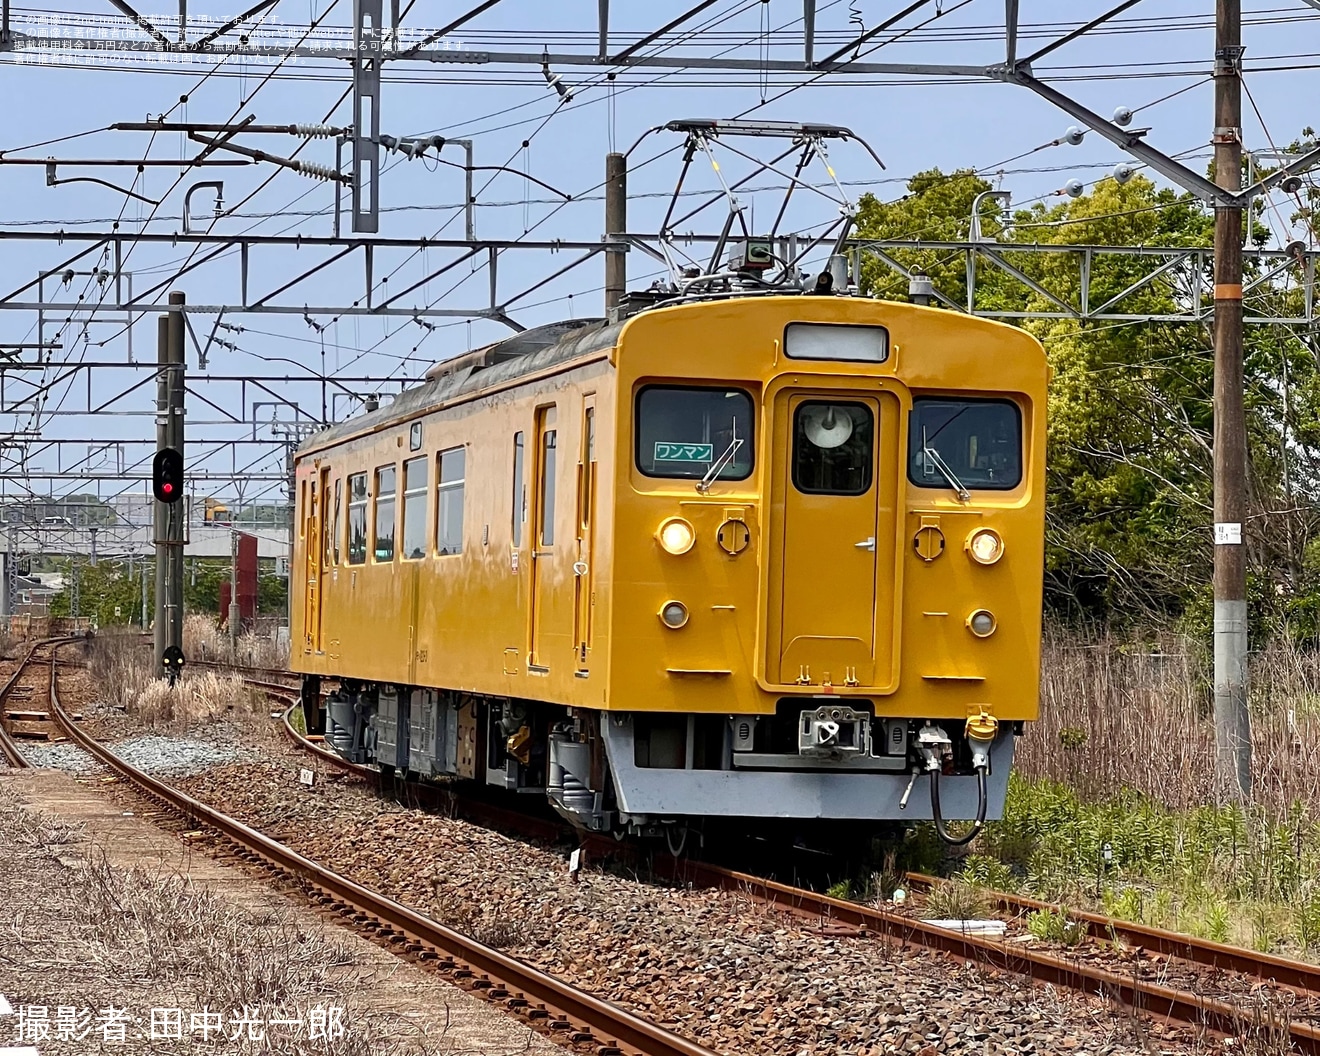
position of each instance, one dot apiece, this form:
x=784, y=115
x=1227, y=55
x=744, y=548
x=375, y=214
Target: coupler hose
x=983, y=796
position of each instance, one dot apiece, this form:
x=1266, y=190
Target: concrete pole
x=1232, y=720
x=616, y=223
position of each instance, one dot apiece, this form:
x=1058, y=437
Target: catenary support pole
x=1232, y=722
x=616, y=223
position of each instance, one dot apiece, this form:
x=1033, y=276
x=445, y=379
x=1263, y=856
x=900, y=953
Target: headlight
x=982, y=623
x=676, y=535
x=674, y=615
x=985, y=546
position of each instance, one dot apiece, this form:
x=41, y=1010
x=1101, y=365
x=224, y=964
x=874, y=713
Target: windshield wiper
x=703, y=485
x=935, y=459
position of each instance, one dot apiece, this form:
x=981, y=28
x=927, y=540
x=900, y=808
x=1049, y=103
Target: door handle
x=866, y=544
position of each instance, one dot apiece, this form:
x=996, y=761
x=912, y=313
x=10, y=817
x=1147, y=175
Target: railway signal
x=172, y=662
x=167, y=475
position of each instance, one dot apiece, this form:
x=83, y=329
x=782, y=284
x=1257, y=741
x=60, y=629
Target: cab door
x=832, y=533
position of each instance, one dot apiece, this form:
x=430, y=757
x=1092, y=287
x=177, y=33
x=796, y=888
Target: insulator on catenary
x=316, y=131
x=318, y=172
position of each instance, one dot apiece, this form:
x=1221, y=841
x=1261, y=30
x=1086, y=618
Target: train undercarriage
x=815, y=761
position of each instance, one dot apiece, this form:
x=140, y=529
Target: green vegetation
x=1130, y=423
x=111, y=585
x=1223, y=873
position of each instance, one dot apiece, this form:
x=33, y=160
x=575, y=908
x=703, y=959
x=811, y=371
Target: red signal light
x=167, y=488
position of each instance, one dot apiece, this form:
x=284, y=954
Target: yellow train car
x=757, y=557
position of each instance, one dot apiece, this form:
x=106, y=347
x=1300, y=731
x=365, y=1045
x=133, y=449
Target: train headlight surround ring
x=982, y=623
x=985, y=546
x=673, y=614
x=676, y=535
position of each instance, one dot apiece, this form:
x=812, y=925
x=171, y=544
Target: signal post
x=167, y=485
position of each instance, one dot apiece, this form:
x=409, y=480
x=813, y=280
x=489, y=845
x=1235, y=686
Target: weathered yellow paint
x=520, y=620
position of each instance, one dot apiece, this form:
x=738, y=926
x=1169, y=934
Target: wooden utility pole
x=616, y=223
x=1232, y=721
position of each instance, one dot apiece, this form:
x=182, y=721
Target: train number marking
x=684, y=452
x=423, y=655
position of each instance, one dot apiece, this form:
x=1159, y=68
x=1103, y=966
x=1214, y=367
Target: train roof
x=523, y=353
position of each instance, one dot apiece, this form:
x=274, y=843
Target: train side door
x=584, y=569
x=325, y=533
x=312, y=555
x=545, y=460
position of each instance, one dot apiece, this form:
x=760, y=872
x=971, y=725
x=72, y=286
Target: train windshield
x=687, y=432
x=977, y=443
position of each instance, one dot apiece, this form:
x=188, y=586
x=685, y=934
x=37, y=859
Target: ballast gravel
x=67, y=757
x=720, y=968
x=153, y=753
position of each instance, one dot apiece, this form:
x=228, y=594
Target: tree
x=1130, y=421
x=102, y=589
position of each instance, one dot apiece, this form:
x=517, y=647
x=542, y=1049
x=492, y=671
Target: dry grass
x=123, y=671
x=1138, y=716
x=198, y=697
x=204, y=639
x=102, y=935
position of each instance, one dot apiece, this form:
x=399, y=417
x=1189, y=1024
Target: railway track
x=24, y=703
x=1219, y=977
x=569, y=1016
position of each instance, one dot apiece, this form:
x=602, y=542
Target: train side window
x=683, y=432
x=385, y=513
x=449, y=501
x=339, y=517
x=357, y=519
x=327, y=526
x=979, y=443
x=519, y=488
x=833, y=447
x=589, y=427
x=414, y=508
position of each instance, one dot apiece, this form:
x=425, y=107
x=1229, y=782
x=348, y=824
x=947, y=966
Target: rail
x=540, y=997
x=1297, y=975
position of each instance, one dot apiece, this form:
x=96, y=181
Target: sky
x=1154, y=58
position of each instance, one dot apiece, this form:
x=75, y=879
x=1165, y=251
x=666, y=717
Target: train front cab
x=843, y=620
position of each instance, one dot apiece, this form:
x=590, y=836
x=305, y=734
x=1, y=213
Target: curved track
x=1068, y=970
x=568, y=1015
x=9, y=749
